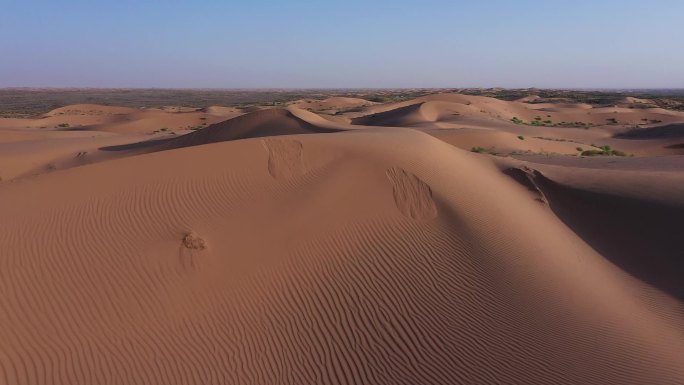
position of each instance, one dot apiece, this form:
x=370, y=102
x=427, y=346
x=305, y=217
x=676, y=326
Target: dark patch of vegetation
x=672, y=99
x=517, y=120
x=482, y=150
x=521, y=137
x=603, y=150
x=63, y=125
x=23, y=102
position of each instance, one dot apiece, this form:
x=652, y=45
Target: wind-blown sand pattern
x=280, y=247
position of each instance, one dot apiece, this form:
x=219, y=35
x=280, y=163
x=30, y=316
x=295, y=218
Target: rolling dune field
x=445, y=239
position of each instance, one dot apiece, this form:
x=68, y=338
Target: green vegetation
x=574, y=125
x=63, y=125
x=538, y=122
x=24, y=103
x=482, y=150
x=603, y=150
x=521, y=137
x=15, y=103
x=671, y=99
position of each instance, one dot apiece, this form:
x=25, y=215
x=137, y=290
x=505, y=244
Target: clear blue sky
x=352, y=43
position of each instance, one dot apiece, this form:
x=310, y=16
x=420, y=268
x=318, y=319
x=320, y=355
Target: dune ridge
x=272, y=122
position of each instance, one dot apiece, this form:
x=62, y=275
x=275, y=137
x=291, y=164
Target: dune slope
x=330, y=259
x=272, y=122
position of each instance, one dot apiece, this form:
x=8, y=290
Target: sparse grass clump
x=63, y=125
x=603, y=150
x=517, y=120
x=483, y=150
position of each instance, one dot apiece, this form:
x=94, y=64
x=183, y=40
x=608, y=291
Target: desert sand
x=448, y=239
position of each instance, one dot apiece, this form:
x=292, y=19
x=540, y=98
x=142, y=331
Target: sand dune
x=334, y=103
x=121, y=119
x=457, y=108
x=272, y=122
x=636, y=228
x=279, y=247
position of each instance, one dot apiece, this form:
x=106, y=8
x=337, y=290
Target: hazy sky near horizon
x=352, y=43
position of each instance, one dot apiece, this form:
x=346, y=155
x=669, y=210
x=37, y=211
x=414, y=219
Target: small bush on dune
x=603, y=150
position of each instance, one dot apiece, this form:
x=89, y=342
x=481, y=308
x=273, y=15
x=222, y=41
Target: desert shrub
x=516, y=120
x=521, y=137
x=479, y=150
x=64, y=125
x=603, y=150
